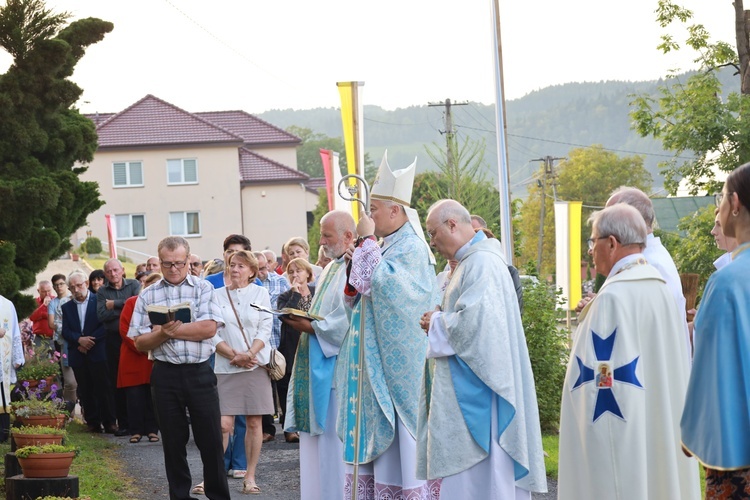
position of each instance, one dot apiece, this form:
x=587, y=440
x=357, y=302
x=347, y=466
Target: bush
x=548, y=350
x=92, y=245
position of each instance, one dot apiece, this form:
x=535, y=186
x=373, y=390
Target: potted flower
x=42, y=364
x=49, y=460
x=37, y=435
x=37, y=406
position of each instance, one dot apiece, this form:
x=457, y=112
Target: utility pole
x=549, y=171
x=449, y=132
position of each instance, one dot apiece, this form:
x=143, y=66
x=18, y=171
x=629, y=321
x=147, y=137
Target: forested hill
x=550, y=121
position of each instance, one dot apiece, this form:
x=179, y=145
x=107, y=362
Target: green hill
x=550, y=121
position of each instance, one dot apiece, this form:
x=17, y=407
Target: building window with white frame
x=127, y=174
x=185, y=223
x=131, y=226
x=182, y=171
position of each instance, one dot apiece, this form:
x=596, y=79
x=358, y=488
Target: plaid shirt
x=200, y=294
x=276, y=285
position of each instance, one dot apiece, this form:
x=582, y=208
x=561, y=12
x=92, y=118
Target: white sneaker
x=230, y=473
x=239, y=474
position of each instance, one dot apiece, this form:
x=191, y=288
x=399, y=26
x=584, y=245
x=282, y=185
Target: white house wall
x=216, y=196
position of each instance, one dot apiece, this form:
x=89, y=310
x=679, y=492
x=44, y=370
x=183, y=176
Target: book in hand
x=160, y=315
x=286, y=312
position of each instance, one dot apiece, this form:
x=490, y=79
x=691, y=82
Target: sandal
x=153, y=438
x=291, y=437
x=198, y=489
x=136, y=438
x=250, y=489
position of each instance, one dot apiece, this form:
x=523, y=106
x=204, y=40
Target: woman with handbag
x=299, y=296
x=243, y=348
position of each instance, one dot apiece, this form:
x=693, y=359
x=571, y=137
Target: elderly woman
x=242, y=348
x=297, y=248
x=716, y=414
x=134, y=375
x=299, y=296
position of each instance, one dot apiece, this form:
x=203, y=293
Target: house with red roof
x=163, y=171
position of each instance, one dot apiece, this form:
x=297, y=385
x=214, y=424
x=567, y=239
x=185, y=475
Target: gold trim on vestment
x=714, y=467
x=390, y=198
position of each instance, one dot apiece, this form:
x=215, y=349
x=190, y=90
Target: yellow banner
x=574, y=212
x=351, y=120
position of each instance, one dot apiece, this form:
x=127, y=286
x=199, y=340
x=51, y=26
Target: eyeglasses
x=718, y=197
x=432, y=233
x=177, y=264
x=592, y=241
x=195, y=264
x=58, y=284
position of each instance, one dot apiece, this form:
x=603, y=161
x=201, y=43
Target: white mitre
x=396, y=187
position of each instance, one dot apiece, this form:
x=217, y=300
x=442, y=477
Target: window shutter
x=120, y=175
x=190, y=170
x=136, y=173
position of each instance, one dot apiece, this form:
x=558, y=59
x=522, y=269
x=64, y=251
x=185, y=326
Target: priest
x=478, y=426
x=392, y=283
x=625, y=388
x=311, y=400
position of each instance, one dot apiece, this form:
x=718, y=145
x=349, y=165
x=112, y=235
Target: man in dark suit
x=87, y=354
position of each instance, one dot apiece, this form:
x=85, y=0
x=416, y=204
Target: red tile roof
x=257, y=168
x=152, y=121
x=252, y=129
x=316, y=182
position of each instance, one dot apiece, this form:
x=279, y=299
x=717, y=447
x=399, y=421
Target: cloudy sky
x=259, y=55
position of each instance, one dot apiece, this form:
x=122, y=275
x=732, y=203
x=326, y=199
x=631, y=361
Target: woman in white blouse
x=244, y=386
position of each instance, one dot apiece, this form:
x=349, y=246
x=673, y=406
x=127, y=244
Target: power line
x=227, y=45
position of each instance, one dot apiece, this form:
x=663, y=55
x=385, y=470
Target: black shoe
x=122, y=432
x=110, y=429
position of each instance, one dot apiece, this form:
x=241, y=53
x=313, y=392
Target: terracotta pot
x=57, y=421
x=33, y=384
x=46, y=464
x=36, y=439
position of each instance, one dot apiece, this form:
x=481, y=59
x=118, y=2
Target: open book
x=159, y=315
x=287, y=311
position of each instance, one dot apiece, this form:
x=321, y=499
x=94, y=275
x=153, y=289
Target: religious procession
x=400, y=382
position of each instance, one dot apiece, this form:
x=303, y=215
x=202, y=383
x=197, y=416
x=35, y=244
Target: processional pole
x=352, y=190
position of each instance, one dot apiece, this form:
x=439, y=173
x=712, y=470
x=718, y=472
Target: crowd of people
x=401, y=383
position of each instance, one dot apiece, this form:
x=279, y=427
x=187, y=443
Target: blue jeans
x=234, y=457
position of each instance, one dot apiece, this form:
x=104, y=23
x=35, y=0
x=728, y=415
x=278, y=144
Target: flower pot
x=36, y=439
x=75, y=257
x=57, y=421
x=46, y=464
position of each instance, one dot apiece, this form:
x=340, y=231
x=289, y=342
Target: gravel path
x=278, y=470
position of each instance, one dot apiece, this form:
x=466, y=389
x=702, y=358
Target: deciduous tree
x=588, y=175
x=705, y=127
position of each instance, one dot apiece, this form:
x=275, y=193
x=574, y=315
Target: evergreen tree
x=42, y=136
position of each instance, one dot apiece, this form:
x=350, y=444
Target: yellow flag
x=351, y=119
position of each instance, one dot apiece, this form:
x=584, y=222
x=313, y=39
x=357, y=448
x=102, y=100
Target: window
x=130, y=226
x=182, y=171
x=127, y=174
x=185, y=223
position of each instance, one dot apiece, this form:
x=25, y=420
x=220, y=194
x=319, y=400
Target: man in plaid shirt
x=182, y=378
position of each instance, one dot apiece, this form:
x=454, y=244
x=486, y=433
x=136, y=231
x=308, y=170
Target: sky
x=259, y=55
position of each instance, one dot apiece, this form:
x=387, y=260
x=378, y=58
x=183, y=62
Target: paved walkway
x=60, y=266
